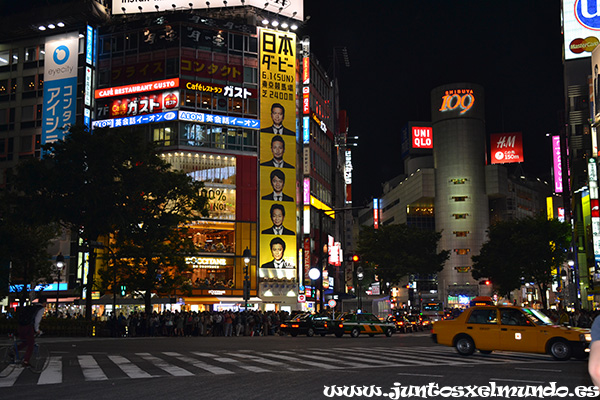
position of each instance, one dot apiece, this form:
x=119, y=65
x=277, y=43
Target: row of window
x=202, y=135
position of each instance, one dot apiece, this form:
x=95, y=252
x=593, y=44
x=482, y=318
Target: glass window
x=4, y=57
x=29, y=83
x=26, y=144
x=42, y=52
x=15, y=56
x=483, y=317
x=27, y=113
x=460, y=198
x=461, y=233
x=30, y=54
x=513, y=316
x=462, y=252
x=3, y=86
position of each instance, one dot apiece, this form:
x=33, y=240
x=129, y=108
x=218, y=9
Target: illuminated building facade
x=447, y=187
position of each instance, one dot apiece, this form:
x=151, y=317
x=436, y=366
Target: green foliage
x=528, y=248
x=113, y=181
x=394, y=251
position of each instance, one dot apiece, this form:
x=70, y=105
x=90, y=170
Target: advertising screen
x=277, y=227
x=507, y=147
x=581, y=25
x=60, y=86
x=288, y=8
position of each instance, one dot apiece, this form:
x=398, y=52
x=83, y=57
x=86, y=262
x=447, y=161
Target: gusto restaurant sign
x=459, y=99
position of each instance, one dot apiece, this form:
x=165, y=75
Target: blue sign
x=40, y=288
x=89, y=40
x=177, y=115
x=136, y=120
x=218, y=119
x=306, y=130
x=586, y=15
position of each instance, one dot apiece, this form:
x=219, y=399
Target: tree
x=25, y=237
x=397, y=250
x=528, y=248
x=152, y=250
x=88, y=183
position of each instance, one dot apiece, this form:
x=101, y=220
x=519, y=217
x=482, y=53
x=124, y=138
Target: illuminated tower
x=461, y=203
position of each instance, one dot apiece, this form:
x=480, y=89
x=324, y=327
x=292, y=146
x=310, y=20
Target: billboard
x=422, y=137
x=557, y=163
x=277, y=221
x=581, y=26
x=506, y=147
x=60, y=86
x=138, y=105
x=288, y=8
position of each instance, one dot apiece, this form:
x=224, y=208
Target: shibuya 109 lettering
x=462, y=99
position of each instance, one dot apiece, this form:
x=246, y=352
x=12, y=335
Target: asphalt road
x=277, y=367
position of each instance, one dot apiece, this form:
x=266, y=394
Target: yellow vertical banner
x=277, y=221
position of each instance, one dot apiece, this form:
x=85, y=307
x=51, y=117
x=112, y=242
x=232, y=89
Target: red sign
x=305, y=71
x=506, y=148
x=148, y=104
x=595, y=208
x=305, y=100
x=422, y=137
x=137, y=88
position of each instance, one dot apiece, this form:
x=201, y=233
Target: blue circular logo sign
x=61, y=55
x=588, y=13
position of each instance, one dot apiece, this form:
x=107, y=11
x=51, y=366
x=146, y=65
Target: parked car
x=401, y=323
x=364, y=323
x=307, y=324
x=511, y=328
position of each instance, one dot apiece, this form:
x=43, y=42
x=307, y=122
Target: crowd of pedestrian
x=193, y=323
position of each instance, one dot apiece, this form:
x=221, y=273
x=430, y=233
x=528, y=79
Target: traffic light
x=355, y=258
x=485, y=282
x=123, y=290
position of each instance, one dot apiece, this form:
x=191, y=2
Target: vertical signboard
x=60, y=86
x=594, y=206
x=376, y=213
x=277, y=57
x=557, y=162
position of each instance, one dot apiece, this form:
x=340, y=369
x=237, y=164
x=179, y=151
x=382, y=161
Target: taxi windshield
x=538, y=317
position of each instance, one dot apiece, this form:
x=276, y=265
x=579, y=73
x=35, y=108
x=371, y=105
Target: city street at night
x=271, y=367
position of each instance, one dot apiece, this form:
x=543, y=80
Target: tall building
x=215, y=88
x=448, y=187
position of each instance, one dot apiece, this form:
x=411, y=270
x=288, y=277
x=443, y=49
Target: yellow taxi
x=511, y=328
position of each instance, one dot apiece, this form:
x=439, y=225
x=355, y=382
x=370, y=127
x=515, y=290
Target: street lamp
x=247, y=255
x=360, y=274
x=60, y=263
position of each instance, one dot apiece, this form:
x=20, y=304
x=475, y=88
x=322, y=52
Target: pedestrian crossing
x=65, y=367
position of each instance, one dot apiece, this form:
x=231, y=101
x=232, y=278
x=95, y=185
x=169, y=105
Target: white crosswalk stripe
x=102, y=367
x=52, y=373
x=130, y=369
x=90, y=368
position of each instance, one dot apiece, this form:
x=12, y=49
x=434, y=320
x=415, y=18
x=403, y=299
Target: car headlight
x=585, y=337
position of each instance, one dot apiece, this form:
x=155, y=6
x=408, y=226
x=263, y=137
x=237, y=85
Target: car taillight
x=283, y=326
x=341, y=325
x=295, y=325
x=325, y=324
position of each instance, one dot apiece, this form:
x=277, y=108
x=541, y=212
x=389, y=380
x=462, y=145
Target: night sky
x=399, y=50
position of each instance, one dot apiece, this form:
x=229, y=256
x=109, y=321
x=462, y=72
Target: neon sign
x=422, y=137
x=462, y=99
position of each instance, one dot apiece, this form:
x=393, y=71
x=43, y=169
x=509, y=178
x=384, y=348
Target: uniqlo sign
x=506, y=148
x=422, y=137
